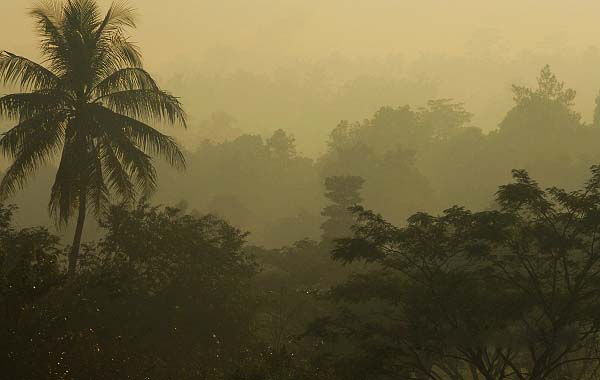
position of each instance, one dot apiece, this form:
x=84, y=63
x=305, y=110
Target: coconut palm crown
x=88, y=105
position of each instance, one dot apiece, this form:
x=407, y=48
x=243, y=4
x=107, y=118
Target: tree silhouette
x=344, y=193
x=91, y=103
x=509, y=293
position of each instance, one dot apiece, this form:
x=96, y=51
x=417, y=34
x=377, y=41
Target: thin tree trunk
x=74, y=254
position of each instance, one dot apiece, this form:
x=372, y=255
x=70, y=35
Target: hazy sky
x=179, y=37
x=271, y=31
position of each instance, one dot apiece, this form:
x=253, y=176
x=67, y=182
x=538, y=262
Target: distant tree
x=230, y=208
x=253, y=187
x=343, y=192
x=443, y=117
x=385, y=151
x=549, y=87
x=219, y=127
x=294, y=228
x=342, y=135
x=392, y=127
x=546, y=108
x=282, y=145
x=596, y=120
x=90, y=105
x=463, y=169
x=388, y=128
x=542, y=132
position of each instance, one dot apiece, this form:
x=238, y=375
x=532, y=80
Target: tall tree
x=91, y=103
x=596, y=120
x=282, y=145
x=344, y=193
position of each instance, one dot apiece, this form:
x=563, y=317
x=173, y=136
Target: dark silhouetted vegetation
x=396, y=253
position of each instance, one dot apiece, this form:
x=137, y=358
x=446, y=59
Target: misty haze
x=295, y=190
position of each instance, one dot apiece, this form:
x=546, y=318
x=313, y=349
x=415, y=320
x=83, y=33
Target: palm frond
x=15, y=138
x=150, y=105
x=97, y=191
x=142, y=135
x=116, y=176
x=49, y=17
x=23, y=106
x=40, y=146
x=124, y=52
x=114, y=52
x=52, y=9
x=67, y=185
x=130, y=78
x=29, y=75
x=137, y=163
x=81, y=17
x=119, y=16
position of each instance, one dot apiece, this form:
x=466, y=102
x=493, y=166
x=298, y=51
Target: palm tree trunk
x=74, y=254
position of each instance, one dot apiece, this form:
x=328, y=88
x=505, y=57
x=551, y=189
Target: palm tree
x=89, y=104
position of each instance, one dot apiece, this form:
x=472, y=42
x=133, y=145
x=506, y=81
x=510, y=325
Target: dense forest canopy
x=339, y=219
x=412, y=158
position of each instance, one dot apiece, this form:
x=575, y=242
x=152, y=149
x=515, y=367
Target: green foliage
x=548, y=88
x=509, y=292
x=444, y=118
x=29, y=270
x=254, y=185
x=89, y=106
x=281, y=145
x=407, y=167
x=93, y=91
x=163, y=294
x=497, y=294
